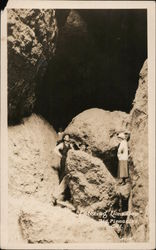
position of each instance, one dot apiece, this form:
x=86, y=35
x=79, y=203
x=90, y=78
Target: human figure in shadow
x=61, y=150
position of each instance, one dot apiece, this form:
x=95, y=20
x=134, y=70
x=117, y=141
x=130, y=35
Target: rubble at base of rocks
x=41, y=223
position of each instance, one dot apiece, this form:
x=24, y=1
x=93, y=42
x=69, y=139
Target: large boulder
x=139, y=155
x=41, y=223
x=31, y=159
x=31, y=44
x=91, y=184
x=92, y=166
x=97, y=130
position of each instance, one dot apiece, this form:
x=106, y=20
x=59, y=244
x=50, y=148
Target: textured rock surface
x=91, y=184
x=139, y=154
x=92, y=169
x=14, y=230
x=42, y=223
x=97, y=129
x=31, y=44
x=31, y=159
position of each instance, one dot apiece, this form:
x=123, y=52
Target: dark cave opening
x=98, y=57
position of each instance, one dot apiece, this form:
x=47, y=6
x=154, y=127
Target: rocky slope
x=30, y=172
x=139, y=155
x=31, y=44
x=32, y=181
x=31, y=159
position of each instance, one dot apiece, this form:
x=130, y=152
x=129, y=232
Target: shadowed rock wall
x=31, y=44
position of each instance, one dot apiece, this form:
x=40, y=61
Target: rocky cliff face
x=139, y=155
x=31, y=44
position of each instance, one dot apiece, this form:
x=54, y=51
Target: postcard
x=78, y=125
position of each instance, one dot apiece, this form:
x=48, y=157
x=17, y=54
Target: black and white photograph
x=77, y=121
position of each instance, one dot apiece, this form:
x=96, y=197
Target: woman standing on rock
x=123, y=158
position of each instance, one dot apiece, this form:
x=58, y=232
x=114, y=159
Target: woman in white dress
x=123, y=158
